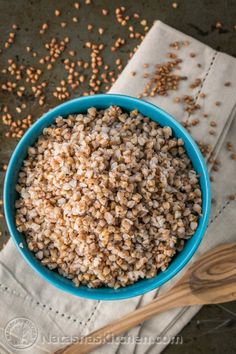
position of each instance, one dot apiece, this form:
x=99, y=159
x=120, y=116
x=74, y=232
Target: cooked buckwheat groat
x=107, y=197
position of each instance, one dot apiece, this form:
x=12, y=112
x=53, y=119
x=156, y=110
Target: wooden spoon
x=210, y=280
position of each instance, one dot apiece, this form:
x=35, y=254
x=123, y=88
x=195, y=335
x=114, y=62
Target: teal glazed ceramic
x=80, y=105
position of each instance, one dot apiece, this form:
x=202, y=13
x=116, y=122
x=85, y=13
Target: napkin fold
x=58, y=317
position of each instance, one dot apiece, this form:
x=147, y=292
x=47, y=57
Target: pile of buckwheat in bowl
x=107, y=197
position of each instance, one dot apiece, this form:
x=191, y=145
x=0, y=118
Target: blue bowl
x=80, y=105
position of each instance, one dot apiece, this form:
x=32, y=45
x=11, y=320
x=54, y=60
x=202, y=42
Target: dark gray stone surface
x=213, y=329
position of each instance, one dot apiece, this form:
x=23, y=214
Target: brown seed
x=118, y=61
x=229, y=146
x=195, y=84
x=213, y=123
x=77, y=5
x=218, y=24
x=195, y=122
x=175, y=5
x=81, y=78
x=171, y=55
x=202, y=95
x=63, y=24
x=192, y=55
x=57, y=13
x=105, y=12
x=217, y=103
x=45, y=26
x=136, y=15
x=177, y=99
x=101, y=30
x=143, y=23
x=233, y=156
x=75, y=19
x=212, y=132
x=213, y=200
x=231, y=197
x=41, y=101
x=227, y=83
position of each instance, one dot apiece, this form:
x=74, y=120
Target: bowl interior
x=81, y=105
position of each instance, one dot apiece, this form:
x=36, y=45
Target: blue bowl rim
x=78, y=291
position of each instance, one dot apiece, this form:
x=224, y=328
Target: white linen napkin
x=58, y=316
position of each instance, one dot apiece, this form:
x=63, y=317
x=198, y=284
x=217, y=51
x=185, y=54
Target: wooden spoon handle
x=88, y=343
x=211, y=279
